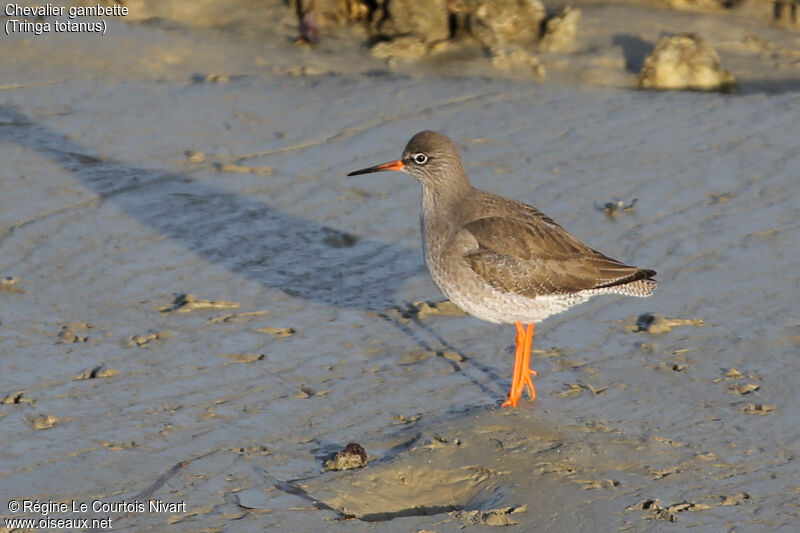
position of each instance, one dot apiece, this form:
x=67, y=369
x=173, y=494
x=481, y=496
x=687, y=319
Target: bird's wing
x=531, y=255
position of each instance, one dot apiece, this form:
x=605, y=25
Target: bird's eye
x=420, y=159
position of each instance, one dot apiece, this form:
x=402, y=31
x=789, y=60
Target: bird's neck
x=443, y=201
x=441, y=195
x=442, y=208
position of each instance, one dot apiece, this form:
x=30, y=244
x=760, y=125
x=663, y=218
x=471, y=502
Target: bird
x=501, y=260
x=308, y=27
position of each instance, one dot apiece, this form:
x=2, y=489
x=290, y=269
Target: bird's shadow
x=245, y=235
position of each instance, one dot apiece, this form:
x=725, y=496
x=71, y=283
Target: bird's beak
x=391, y=165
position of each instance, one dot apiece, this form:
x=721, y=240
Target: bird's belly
x=470, y=292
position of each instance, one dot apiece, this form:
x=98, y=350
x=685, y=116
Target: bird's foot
x=522, y=371
x=517, y=388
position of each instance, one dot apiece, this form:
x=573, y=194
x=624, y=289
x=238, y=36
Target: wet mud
x=198, y=306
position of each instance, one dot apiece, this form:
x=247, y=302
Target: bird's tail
x=640, y=283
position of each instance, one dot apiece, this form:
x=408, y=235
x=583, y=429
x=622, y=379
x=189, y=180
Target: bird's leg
x=516, y=388
x=525, y=370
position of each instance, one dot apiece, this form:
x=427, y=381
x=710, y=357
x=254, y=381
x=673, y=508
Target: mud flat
x=198, y=306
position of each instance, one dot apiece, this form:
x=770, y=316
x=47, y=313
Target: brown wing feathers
x=532, y=255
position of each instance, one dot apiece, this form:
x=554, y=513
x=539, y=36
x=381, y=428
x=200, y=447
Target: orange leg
x=522, y=371
x=513, y=395
x=525, y=377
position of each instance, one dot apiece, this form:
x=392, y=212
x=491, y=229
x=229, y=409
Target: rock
x=325, y=13
x=411, y=29
x=281, y=333
x=14, y=398
x=656, y=325
x=427, y=20
x=518, y=60
x=616, y=207
x=685, y=62
x=352, y=456
x=423, y=309
x=400, y=48
x=99, y=371
x=560, y=31
x=9, y=284
x=496, y=23
x=786, y=13
x=70, y=333
x=492, y=517
x=194, y=156
x=44, y=422
x=333, y=13
x=308, y=26
x=699, y=5
x=358, y=10
x=233, y=167
x=184, y=303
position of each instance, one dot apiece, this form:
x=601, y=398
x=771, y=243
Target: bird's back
x=496, y=253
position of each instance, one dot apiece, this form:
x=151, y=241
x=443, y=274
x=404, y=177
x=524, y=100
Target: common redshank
x=501, y=260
